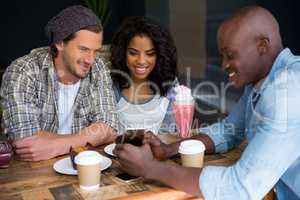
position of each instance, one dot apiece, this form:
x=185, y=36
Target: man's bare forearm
x=186, y=179
x=95, y=134
x=98, y=133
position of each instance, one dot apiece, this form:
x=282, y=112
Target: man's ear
x=59, y=45
x=263, y=45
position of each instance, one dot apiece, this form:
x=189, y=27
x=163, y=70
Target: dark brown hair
x=93, y=28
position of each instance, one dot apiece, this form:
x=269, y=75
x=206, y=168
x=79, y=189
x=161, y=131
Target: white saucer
x=109, y=149
x=64, y=166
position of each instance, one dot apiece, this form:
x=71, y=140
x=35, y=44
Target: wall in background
x=187, y=24
x=23, y=22
x=158, y=10
x=186, y=21
x=22, y=26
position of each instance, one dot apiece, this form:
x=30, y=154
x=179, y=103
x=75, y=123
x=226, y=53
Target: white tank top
x=148, y=115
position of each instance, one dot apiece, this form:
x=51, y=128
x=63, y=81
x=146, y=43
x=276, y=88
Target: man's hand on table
x=163, y=151
x=42, y=146
x=159, y=149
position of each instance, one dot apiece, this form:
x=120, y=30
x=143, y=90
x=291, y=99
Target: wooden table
x=38, y=180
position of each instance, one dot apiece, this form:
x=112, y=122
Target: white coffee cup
x=89, y=171
x=192, y=153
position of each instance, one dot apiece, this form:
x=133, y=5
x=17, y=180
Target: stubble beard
x=71, y=68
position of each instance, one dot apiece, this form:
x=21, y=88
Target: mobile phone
x=126, y=177
x=134, y=137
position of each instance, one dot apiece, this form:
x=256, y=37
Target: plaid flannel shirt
x=29, y=95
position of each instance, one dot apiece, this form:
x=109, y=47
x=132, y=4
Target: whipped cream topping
x=183, y=94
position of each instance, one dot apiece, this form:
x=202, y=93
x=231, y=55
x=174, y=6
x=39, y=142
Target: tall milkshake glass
x=184, y=106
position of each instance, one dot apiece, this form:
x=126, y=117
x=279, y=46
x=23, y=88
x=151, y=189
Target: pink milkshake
x=184, y=110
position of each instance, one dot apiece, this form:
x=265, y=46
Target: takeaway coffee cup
x=192, y=153
x=89, y=171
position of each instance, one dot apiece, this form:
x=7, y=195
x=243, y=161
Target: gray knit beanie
x=70, y=20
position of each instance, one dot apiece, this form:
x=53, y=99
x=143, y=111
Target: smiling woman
x=141, y=57
x=144, y=71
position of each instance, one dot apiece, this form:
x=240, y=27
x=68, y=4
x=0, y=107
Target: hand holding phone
x=134, y=137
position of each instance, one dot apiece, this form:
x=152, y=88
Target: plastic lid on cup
x=191, y=147
x=88, y=158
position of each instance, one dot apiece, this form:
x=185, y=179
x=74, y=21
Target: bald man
x=267, y=116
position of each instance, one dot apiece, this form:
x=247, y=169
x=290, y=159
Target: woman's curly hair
x=165, y=70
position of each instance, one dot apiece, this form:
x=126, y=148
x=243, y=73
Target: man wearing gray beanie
x=60, y=96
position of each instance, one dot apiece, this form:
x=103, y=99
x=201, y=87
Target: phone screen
x=126, y=177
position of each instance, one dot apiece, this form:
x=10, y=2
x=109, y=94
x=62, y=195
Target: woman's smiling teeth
x=140, y=70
